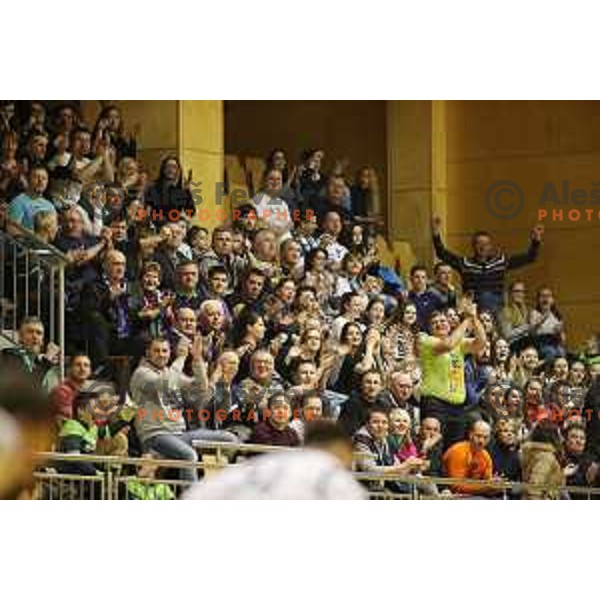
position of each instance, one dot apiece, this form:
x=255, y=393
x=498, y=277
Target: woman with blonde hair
x=399, y=439
x=213, y=323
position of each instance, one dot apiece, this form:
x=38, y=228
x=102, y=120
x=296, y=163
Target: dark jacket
x=77, y=276
x=434, y=456
x=579, y=478
x=476, y=379
x=265, y=433
x=446, y=298
x=506, y=461
x=168, y=266
x=161, y=198
x=17, y=358
x=426, y=303
x=115, y=312
x=354, y=412
x=592, y=404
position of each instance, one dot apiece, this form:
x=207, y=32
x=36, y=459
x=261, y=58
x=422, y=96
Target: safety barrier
x=32, y=283
x=120, y=478
x=115, y=478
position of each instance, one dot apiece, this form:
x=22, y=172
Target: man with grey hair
x=402, y=394
x=107, y=308
x=253, y=391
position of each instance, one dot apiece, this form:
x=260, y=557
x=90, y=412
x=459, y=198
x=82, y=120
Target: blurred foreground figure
x=320, y=471
x=26, y=428
x=10, y=448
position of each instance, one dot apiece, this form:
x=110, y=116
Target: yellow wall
x=416, y=138
x=191, y=129
x=352, y=129
x=154, y=123
x=530, y=143
x=200, y=147
x=458, y=150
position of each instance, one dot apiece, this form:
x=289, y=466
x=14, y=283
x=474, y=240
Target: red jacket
x=62, y=397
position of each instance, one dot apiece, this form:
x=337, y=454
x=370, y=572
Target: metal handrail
x=414, y=481
x=41, y=245
x=26, y=246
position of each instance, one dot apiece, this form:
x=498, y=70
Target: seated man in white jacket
x=163, y=393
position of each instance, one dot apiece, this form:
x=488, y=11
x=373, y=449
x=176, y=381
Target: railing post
x=52, y=326
x=61, y=318
x=15, y=294
x=26, y=283
x=2, y=283
x=108, y=482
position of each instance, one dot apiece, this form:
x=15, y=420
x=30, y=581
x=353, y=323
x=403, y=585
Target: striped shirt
x=484, y=276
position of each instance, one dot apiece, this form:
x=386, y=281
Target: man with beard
x=23, y=207
x=29, y=358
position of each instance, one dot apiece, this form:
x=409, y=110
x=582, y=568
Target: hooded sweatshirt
x=162, y=395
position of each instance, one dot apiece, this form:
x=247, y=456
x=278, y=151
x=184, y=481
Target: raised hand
x=52, y=352
x=197, y=348
x=469, y=308
x=373, y=338
x=537, y=232
x=436, y=225
x=188, y=180
x=183, y=348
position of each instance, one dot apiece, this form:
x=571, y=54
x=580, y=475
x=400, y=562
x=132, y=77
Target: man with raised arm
x=483, y=273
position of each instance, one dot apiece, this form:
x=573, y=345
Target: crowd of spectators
x=283, y=315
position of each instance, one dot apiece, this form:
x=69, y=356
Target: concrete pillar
x=152, y=122
x=416, y=140
x=191, y=129
x=200, y=147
